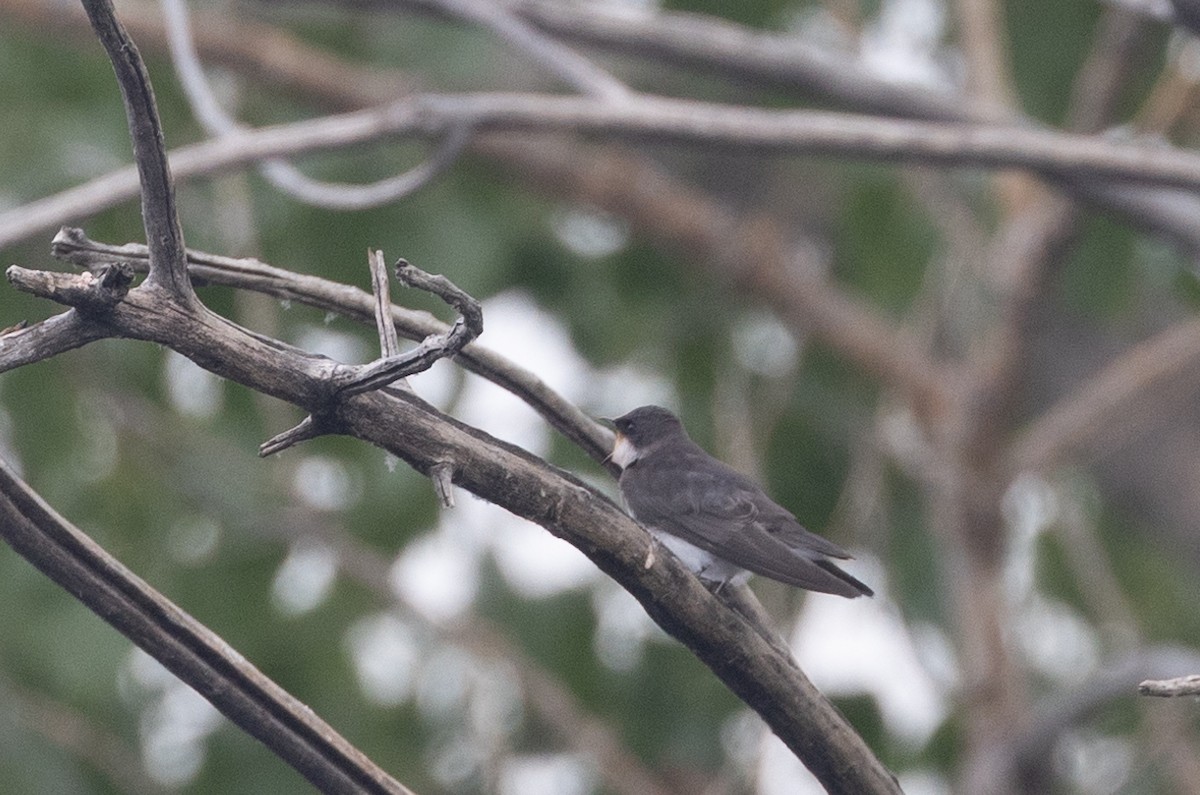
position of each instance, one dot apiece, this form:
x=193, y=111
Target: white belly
x=703, y=563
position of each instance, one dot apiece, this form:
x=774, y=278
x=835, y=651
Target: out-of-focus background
x=467, y=651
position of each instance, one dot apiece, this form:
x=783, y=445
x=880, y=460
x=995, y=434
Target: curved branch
x=282, y=174
x=761, y=675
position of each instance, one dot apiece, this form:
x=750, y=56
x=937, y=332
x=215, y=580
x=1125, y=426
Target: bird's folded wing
x=753, y=548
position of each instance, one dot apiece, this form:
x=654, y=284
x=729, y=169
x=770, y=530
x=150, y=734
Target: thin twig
x=307, y=428
x=356, y=379
x=389, y=345
x=347, y=380
x=442, y=475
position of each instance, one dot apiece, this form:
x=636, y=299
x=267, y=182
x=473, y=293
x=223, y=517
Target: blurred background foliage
x=289, y=559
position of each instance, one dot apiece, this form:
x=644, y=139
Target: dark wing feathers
x=722, y=511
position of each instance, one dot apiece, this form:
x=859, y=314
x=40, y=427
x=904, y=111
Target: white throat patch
x=624, y=453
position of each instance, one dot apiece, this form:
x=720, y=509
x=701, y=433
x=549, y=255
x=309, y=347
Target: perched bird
x=715, y=519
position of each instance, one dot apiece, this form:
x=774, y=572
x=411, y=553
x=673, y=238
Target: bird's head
x=642, y=430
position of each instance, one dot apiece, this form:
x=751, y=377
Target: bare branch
x=308, y=428
x=981, y=23
x=356, y=379
x=657, y=119
x=592, y=437
x=284, y=175
x=159, y=214
x=39, y=341
x=184, y=646
x=1167, y=688
x=781, y=61
x=1108, y=404
x=554, y=56
x=716, y=46
x=91, y=292
x=389, y=345
x=350, y=196
x=766, y=680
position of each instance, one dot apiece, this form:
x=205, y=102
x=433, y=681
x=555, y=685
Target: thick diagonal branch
x=763, y=677
x=184, y=646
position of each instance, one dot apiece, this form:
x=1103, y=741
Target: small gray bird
x=715, y=519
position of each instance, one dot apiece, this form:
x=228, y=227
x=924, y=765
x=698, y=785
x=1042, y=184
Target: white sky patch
x=98, y=451
x=457, y=760
x=924, y=782
x=850, y=646
x=325, y=483
x=438, y=384
x=622, y=628
x=1097, y=764
x=496, y=706
x=763, y=345
x=385, y=653
x=1055, y=639
x=537, y=564
x=780, y=772
x=305, y=578
x=193, y=539
x=192, y=390
x=617, y=390
x=562, y=774
x=525, y=333
x=437, y=575
x=445, y=683
x=903, y=43
x=1029, y=507
x=175, y=721
x=337, y=345
x=590, y=233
